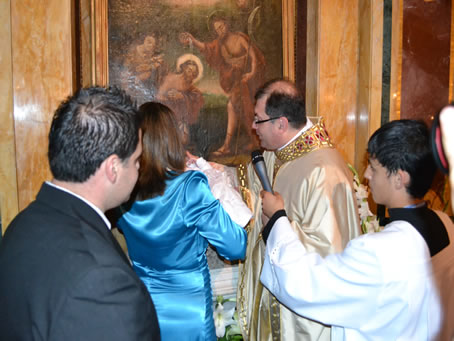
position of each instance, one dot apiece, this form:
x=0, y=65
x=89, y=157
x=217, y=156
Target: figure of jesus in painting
x=241, y=68
x=179, y=93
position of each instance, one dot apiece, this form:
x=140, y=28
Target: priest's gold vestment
x=320, y=202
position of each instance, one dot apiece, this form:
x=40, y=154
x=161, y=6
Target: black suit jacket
x=63, y=276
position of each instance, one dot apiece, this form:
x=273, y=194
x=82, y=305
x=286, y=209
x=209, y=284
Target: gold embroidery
x=244, y=191
x=241, y=298
x=242, y=178
x=314, y=138
x=275, y=314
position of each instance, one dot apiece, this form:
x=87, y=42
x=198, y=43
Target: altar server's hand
x=271, y=203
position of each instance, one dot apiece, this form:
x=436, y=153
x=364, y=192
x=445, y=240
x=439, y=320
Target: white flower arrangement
x=226, y=320
x=369, y=221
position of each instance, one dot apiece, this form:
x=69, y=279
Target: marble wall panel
x=369, y=76
x=42, y=77
x=426, y=47
x=338, y=71
x=301, y=44
x=396, y=60
x=8, y=183
x=312, y=61
x=386, y=60
x=425, y=58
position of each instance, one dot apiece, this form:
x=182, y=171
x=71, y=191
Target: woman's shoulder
x=190, y=177
x=191, y=184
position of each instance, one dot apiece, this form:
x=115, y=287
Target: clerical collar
x=426, y=222
x=309, y=139
x=306, y=127
x=421, y=204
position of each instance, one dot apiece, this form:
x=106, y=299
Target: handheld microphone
x=260, y=169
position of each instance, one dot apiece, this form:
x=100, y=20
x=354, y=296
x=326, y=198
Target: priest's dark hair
x=284, y=100
x=405, y=145
x=87, y=128
x=163, y=154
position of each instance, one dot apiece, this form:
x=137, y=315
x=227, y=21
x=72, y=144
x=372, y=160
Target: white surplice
x=380, y=287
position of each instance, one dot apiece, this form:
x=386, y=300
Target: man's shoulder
x=328, y=154
x=58, y=244
x=328, y=159
x=41, y=227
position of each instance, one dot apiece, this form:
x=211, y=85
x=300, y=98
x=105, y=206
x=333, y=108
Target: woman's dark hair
x=163, y=152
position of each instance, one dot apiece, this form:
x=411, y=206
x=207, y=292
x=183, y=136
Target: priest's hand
x=271, y=203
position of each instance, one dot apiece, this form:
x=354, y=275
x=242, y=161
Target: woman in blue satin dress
x=172, y=218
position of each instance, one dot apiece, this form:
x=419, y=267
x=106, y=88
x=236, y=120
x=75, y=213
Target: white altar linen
x=223, y=189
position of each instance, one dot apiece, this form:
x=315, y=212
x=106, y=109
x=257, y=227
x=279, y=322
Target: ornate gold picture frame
x=109, y=41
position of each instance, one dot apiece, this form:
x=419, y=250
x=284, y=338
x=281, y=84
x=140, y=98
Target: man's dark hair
x=284, y=101
x=87, y=128
x=293, y=108
x=405, y=145
x=265, y=89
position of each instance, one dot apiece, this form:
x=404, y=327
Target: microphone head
x=256, y=156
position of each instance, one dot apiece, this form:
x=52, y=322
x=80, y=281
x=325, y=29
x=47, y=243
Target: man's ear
x=283, y=123
x=111, y=167
x=401, y=179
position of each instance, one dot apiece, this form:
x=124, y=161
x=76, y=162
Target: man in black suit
x=63, y=276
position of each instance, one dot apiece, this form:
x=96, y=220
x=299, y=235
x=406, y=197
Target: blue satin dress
x=167, y=237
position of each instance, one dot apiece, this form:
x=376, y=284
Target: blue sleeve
x=207, y=215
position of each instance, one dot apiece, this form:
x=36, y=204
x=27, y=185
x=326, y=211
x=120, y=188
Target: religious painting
x=204, y=59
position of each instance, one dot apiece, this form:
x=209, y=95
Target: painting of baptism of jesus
x=204, y=59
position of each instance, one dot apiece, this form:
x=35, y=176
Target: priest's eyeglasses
x=257, y=121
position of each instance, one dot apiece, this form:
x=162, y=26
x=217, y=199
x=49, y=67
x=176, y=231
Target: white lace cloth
x=224, y=190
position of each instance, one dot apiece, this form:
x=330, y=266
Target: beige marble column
x=332, y=69
x=42, y=78
x=39, y=75
x=8, y=183
x=370, y=63
x=344, y=67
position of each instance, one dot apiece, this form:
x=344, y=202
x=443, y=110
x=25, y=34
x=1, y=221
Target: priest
x=320, y=202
